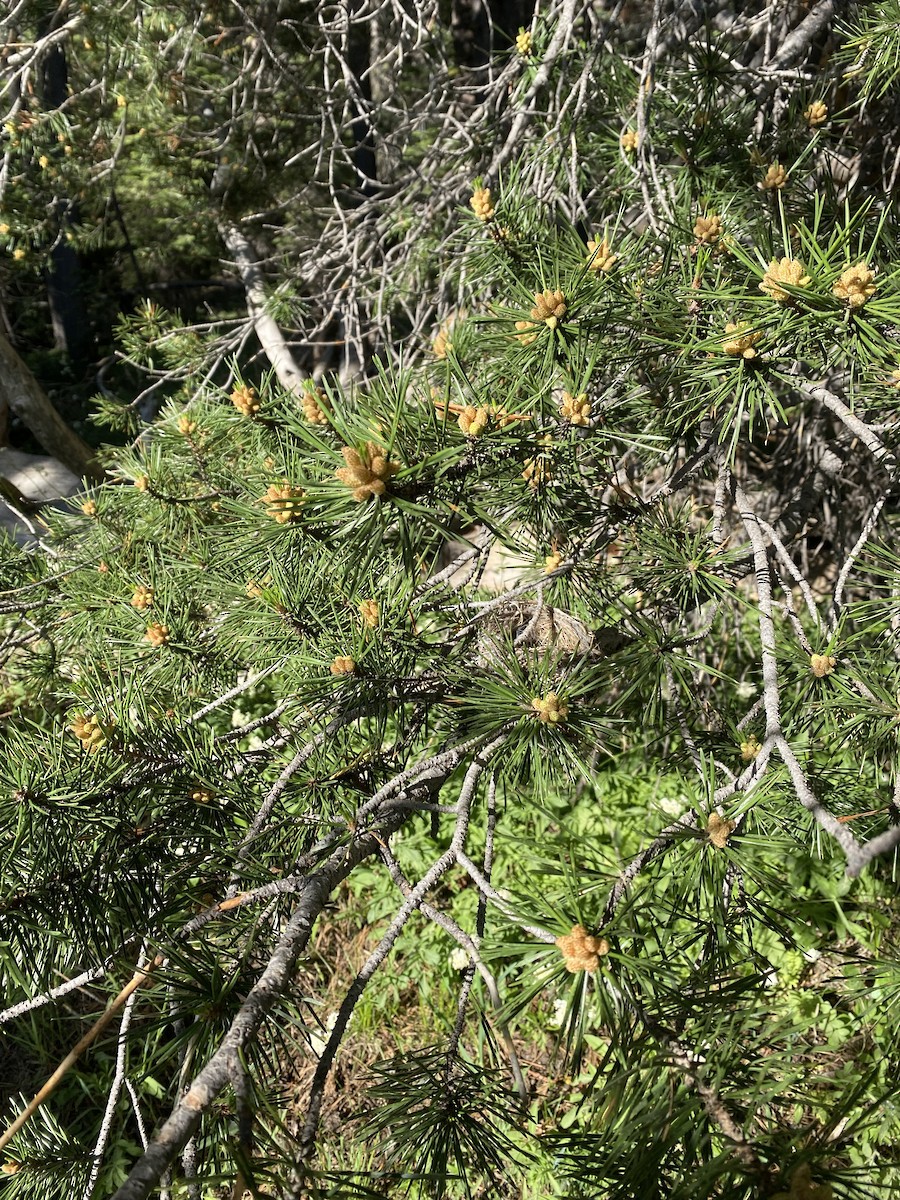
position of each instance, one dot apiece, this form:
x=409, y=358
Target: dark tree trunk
x=64, y=295
x=64, y=289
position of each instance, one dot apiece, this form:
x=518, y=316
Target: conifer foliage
x=630, y=315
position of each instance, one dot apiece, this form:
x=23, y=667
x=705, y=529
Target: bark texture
x=25, y=397
x=270, y=336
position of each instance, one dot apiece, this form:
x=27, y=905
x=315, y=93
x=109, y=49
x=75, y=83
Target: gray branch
x=272, y=983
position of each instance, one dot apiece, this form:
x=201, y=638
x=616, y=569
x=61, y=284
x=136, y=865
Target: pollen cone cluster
x=856, y=285
x=90, y=731
x=708, y=230
x=601, y=257
x=283, y=503
x=480, y=201
x=580, y=950
x=538, y=472
x=822, y=664
x=549, y=307
x=441, y=346
x=629, y=140
x=774, y=179
x=157, y=635
x=750, y=749
x=142, y=598
x=575, y=409
x=741, y=339
x=370, y=613
x=312, y=400
x=785, y=270
x=815, y=114
x=473, y=421
x=245, y=400
x=718, y=830
x=550, y=709
x=367, y=471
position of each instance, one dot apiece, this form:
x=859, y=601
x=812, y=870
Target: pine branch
x=277, y=975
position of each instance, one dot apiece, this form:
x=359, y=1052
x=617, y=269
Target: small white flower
x=559, y=1013
x=318, y=1039
x=744, y=691
x=317, y=1044
x=672, y=805
x=459, y=959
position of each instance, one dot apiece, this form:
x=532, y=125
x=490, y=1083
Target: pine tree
x=271, y=651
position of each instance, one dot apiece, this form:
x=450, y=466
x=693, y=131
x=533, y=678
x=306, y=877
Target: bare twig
x=140, y=977
x=410, y=904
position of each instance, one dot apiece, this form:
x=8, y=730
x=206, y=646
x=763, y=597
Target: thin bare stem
x=139, y=978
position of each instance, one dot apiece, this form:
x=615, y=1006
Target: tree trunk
x=64, y=290
x=25, y=397
x=64, y=298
